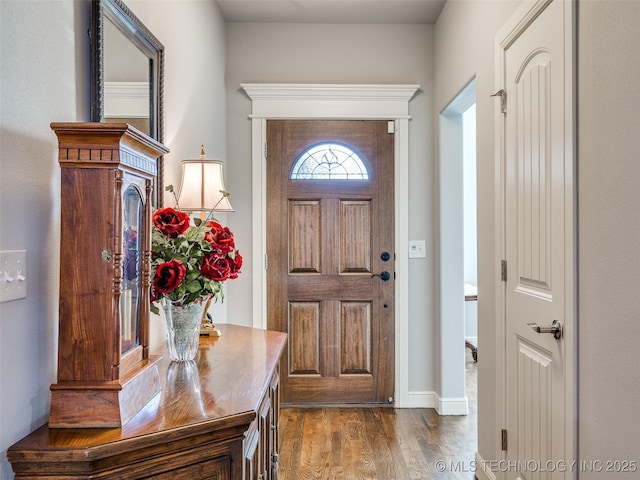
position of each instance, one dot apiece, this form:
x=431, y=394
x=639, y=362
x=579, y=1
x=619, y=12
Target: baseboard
x=482, y=471
x=444, y=406
x=452, y=406
x=418, y=400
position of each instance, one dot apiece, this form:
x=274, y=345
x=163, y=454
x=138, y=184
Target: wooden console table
x=215, y=418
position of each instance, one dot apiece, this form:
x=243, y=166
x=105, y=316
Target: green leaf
x=193, y=287
x=192, y=275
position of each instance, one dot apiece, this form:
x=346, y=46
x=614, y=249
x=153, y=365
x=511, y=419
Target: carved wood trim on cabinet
x=105, y=373
x=209, y=421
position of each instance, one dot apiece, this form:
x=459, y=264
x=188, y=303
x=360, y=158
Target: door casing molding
x=332, y=101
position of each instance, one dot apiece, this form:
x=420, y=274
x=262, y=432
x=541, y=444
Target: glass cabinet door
x=132, y=210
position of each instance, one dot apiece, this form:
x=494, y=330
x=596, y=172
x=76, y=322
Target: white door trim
x=513, y=28
x=452, y=388
x=308, y=101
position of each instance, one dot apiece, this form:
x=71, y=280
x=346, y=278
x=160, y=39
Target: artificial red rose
x=236, y=265
x=168, y=276
x=130, y=265
x=171, y=222
x=220, y=238
x=130, y=239
x=215, y=266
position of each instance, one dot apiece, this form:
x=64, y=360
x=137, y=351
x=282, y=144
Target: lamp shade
x=202, y=187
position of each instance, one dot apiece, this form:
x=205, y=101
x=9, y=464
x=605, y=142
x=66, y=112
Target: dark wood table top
x=220, y=389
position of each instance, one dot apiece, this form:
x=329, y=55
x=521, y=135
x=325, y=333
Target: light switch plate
x=13, y=275
x=417, y=249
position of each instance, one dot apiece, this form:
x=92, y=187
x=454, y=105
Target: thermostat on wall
x=417, y=249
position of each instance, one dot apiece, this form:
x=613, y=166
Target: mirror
x=132, y=218
x=127, y=63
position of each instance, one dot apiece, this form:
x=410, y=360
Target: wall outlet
x=13, y=275
x=417, y=249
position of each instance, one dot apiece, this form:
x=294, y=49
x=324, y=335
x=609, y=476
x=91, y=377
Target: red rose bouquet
x=190, y=258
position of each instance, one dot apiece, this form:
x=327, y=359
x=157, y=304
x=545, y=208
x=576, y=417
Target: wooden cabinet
x=214, y=418
x=105, y=372
x=261, y=443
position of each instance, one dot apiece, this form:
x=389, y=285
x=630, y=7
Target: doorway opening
x=470, y=228
x=291, y=101
x=458, y=257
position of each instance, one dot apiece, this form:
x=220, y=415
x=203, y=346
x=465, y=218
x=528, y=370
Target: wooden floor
x=379, y=443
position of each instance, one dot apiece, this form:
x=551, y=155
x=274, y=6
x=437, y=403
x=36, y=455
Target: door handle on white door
x=555, y=329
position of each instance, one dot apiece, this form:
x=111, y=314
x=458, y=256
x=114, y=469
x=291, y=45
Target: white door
x=538, y=234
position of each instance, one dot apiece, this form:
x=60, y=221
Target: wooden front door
x=330, y=237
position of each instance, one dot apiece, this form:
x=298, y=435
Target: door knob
x=385, y=256
x=555, y=329
x=383, y=275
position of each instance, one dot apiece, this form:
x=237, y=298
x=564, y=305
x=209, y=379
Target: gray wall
x=44, y=75
x=464, y=48
x=365, y=54
x=193, y=35
x=609, y=234
x=441, y=59
x=608, y=222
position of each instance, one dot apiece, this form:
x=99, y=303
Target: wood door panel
x=332, y=389
x=346, y=287
x=355, y=338
x=304, y=236
x=324, y=240
x=355, y=226
x=340, y=188
x=304, y=338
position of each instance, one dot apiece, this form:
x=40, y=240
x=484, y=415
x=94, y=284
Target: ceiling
x=331, y=11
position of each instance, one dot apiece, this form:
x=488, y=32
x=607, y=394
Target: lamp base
x=209, y=330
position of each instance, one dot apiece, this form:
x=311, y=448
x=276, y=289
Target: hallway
x=379, y=443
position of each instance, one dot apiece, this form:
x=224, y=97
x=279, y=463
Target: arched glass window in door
x=329, y=161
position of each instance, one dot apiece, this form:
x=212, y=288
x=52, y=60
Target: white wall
x=464, y=47
x=313, y=53
x=608, y=234
x=44, y=77
x=470, y=221
x=470, y=193
x=451, y=192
